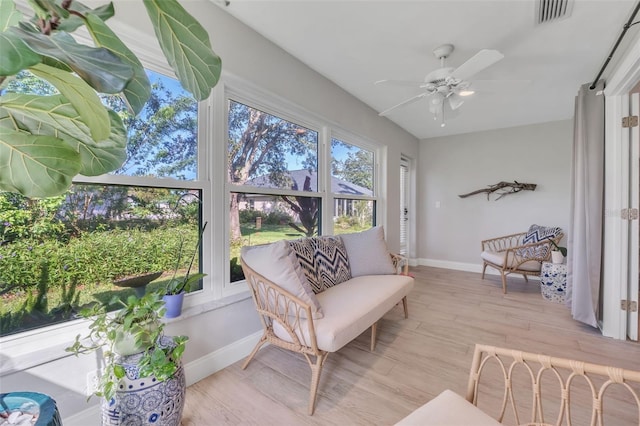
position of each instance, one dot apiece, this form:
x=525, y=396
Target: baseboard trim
x=460, y=266
x=194, y=371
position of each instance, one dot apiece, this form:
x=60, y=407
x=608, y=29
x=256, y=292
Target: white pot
x=557, y=257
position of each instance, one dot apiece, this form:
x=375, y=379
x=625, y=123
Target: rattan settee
x=348, y=308
x=521, y=253
x=507, y=386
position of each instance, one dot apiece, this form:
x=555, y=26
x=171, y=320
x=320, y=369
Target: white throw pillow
x=277, y=263
x=367, y=252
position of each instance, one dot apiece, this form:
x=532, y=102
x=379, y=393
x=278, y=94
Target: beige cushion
x=497, y=258
x=368, y=253
x=277, y=263
x=350, y=308
x=448, y=409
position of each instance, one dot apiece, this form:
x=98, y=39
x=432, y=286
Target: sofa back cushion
x=368, y=253
x=277, y=263
x=324, y=261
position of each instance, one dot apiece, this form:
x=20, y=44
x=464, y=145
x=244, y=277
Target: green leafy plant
x=177, y=285
x=139, y=319
x=562, y=250
x=47, y=140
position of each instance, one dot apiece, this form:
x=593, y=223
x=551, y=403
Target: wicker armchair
x=509, y=255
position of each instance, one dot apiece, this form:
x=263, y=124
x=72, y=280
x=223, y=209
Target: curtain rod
x=624, y=31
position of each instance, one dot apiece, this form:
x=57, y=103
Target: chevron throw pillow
x=331, y=262
x=304, y=248
x=537, y=233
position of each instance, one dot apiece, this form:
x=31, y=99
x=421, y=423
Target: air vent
x=552, y=10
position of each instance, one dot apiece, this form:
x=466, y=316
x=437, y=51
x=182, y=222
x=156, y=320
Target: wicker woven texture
x=516, y=255
x=535, y=389
x=274, y=304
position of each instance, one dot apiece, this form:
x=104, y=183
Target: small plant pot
x=173, y=304
x=557, y=257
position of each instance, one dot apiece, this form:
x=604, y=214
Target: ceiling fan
x=446, y=83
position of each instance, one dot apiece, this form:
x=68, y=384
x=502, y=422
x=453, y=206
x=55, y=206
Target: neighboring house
x=307, y=181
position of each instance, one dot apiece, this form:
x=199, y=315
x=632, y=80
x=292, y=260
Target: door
x=634, y=228
x=404, y=207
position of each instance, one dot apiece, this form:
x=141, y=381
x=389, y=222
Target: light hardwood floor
x=415, y=359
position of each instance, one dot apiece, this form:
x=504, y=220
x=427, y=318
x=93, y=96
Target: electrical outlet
x=93, y=380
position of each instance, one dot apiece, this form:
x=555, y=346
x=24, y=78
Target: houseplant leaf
x=15, y=55
x=9, y=15
x=55, y=116
x=138, y=90
x=83, y=98
x=185, y=44
x=36, y=166
x=72, y=23
x=103, y=70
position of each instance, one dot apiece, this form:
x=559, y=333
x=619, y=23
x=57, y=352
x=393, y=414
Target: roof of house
x=338, y=186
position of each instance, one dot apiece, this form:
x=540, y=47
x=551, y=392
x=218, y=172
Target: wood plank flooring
x=415, y=358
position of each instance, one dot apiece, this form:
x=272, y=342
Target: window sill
x=42, y=355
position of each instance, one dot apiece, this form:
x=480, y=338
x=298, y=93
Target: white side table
x=553, y=281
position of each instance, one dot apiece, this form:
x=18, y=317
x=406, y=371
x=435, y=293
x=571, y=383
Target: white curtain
x=584, y=241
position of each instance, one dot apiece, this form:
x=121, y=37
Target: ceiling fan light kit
x=447, y=82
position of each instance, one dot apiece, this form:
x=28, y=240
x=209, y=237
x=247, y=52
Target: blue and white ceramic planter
x=145, y=401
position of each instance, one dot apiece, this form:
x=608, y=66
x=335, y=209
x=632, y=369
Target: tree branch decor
x=47, y=140
x=508, y=187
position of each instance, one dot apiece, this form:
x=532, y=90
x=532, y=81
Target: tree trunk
x=234, y=217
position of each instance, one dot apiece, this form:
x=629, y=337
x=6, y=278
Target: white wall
x=247, y=55
x=449, y=236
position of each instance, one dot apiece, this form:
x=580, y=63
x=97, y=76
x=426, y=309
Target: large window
x=272, y=168
x=352, y=180
x=62, y=253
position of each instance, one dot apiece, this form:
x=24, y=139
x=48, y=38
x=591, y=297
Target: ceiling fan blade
x=405, y=83
x=498, y=85
x=478, y=62
x=407, y=102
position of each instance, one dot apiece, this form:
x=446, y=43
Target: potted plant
x=135, y=351
x=558, y=254
x=178, y=286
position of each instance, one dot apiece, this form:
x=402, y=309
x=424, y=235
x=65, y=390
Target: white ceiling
x=356, y=43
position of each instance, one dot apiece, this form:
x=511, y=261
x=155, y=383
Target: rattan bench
x=507, y=386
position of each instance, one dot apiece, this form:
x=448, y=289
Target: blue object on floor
x=32, y=403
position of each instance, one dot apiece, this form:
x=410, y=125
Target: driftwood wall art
x=504, y=188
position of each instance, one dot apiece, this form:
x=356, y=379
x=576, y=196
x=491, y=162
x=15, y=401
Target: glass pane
x=163, y=138
x=352, y=215
x=269, y=152
x=264, y=219
x=59, y=254
x=351, y=169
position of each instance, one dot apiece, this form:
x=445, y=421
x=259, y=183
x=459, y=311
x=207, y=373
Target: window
x=352, y=180
x=61, y=253
x=272, y=169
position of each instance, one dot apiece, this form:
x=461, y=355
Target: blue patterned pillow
x=331, y=262
x=537, y=233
